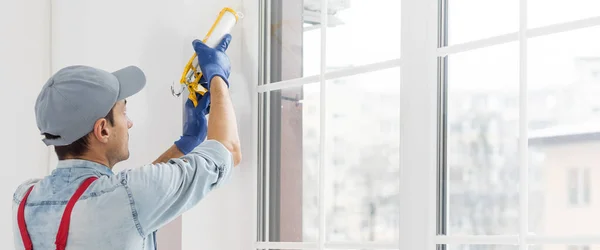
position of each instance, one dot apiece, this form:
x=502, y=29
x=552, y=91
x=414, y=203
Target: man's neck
x=92, y=158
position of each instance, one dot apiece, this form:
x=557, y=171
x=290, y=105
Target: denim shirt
x=119, y=210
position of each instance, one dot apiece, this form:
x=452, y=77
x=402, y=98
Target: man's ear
x=101, y=130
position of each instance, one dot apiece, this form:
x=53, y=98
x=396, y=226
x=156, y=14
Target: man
x=84, y=205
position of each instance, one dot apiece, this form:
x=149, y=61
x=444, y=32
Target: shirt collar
x=79, y=163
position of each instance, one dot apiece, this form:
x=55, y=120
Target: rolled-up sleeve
x=159, y=193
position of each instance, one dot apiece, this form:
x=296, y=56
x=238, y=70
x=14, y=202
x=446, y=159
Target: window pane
x=362, y=32
x=481, y=140
x=354, y=35
x=548, y=12
x=293, y=164
x=470, y=20
x=564, y=123
x=362, y=178
x=295, y=44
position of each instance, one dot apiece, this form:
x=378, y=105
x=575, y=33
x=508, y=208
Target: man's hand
x=194, y=129
x=215, y=68
x=213, y=62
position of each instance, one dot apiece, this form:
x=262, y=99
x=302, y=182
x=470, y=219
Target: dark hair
x=78, y=147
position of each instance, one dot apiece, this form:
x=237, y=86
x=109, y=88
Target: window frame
x=264, y=89
x=424, y=51
x=523, y=238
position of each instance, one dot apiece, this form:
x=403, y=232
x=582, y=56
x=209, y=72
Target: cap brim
x=131, y=80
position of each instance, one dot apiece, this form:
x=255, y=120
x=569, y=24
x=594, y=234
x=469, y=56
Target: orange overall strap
x=63, y=229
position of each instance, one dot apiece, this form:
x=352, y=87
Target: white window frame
x=420, y=127
x=524, y=237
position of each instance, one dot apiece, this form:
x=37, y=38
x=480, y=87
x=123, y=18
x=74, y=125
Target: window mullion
x=418, y=127
x=322, y=125
x=523, y=135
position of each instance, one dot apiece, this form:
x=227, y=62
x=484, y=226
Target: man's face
x=119, y=142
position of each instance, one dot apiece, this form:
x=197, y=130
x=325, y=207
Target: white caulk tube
x=222, y=26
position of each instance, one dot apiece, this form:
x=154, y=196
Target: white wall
x=24, y=68
x=113, y=34
x=226, y=218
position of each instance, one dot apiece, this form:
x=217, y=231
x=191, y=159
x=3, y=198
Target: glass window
x=483, y=141
x=362, y=32
x=483, y=121
x=295, y=39
x=338, y=135
x=360, y=160
x=548, y=12
x=569, y=139
x=469, y=20
x=293, y=161
x=362, y=190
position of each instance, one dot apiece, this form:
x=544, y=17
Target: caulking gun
x=191, y=73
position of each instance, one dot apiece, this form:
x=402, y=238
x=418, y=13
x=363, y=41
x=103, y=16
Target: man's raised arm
x=191, y=168
x=222, y=125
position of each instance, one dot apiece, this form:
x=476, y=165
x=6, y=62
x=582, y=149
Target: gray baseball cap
x=75, y=97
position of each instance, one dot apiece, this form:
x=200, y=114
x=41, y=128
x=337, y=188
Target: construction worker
x=83, y=204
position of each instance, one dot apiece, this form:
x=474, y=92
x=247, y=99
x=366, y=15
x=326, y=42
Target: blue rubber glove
x=204, y=84
x=196, y=124
x=213, y=62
